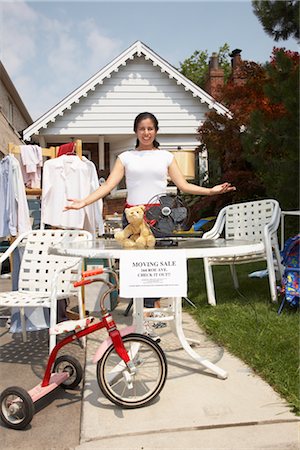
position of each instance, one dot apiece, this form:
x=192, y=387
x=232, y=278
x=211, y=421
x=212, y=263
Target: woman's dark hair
x=139, y=118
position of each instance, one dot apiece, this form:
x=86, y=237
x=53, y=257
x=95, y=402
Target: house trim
x=137, y=49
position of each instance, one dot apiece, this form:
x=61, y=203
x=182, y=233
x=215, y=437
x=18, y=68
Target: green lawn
x=248, y=325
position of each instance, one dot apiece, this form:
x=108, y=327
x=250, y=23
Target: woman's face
x=146, y=133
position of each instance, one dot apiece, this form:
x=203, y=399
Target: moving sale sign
x=153, y=273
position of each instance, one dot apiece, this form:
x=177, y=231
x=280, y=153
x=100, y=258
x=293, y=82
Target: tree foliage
x=271, y=140
x=196, y=66
x=221, y=136
x=280, y=19
x=256, y=149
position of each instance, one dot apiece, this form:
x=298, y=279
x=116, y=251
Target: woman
x=146, y=170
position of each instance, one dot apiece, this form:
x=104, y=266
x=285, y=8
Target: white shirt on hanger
x=67, y=177
x=23, y=218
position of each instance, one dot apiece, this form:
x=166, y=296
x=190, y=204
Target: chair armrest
x=272, y=227
x=13, y=246
x=217, y=229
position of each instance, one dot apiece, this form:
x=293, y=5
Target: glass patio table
x=194, y=248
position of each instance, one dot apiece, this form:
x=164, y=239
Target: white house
x=102, y=110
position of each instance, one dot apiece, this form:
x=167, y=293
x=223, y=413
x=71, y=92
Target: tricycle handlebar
x=90, y=273
x=111, y=286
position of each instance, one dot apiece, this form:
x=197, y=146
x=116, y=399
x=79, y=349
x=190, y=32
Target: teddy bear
x=137, y=233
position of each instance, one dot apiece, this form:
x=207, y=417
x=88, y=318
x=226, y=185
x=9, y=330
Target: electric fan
x=166, y=215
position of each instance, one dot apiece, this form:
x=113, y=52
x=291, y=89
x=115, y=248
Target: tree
x=221, y=136
x=271, y=141
x=256, y=149
x=280, y=19
x=196, y=66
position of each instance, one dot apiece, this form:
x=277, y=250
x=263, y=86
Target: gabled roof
x=138, y=49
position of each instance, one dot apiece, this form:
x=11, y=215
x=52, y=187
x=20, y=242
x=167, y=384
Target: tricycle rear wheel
x=16, y=407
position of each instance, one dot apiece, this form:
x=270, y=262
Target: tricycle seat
x=71, y=325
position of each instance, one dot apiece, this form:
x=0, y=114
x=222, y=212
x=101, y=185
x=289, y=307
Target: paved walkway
x=195, y=409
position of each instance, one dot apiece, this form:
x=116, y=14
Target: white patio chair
x=255, y=221
x=44, y=278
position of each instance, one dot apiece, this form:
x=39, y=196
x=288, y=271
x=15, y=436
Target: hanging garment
x=32, y=161
x=8, y=213
x=23, y=215
x=95, y=210
x=14, y=212
x=68, y=177
x=66, y=148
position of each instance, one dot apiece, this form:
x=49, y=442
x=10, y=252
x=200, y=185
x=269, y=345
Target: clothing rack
x=50, y=152
x=15, y=149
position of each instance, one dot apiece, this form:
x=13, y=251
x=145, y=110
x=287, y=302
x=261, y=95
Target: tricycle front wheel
x=133, y=389
x=67, y=363
x=16, y=407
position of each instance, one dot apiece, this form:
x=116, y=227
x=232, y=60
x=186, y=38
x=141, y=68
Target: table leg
x=179, y=331
x=175, y=305
x=23, y=324
x=138, y=314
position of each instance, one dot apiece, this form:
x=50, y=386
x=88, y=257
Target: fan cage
x=167, y=215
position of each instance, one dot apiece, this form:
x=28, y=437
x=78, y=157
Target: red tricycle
x=131, y=367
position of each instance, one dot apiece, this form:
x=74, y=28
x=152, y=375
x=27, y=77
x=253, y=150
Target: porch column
x=101, y=152
x=42, y=141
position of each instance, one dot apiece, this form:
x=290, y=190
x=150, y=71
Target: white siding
x=139, y=86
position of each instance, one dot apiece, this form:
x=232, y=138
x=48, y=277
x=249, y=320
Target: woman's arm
x=189, y=188
x=112, y=181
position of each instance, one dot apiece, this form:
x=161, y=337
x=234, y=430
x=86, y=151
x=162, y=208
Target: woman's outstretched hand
x=76, y=204
x=222, y=189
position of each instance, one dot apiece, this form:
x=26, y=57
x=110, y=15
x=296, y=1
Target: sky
x=49, y=48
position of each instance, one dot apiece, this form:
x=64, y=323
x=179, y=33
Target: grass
x=247, y=324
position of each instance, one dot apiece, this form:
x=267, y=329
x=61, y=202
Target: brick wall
x=10, y=110
x=7, y=135
x=113, y=205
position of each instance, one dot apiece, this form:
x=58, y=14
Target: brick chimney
x=236, y=61
x=215, y=80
